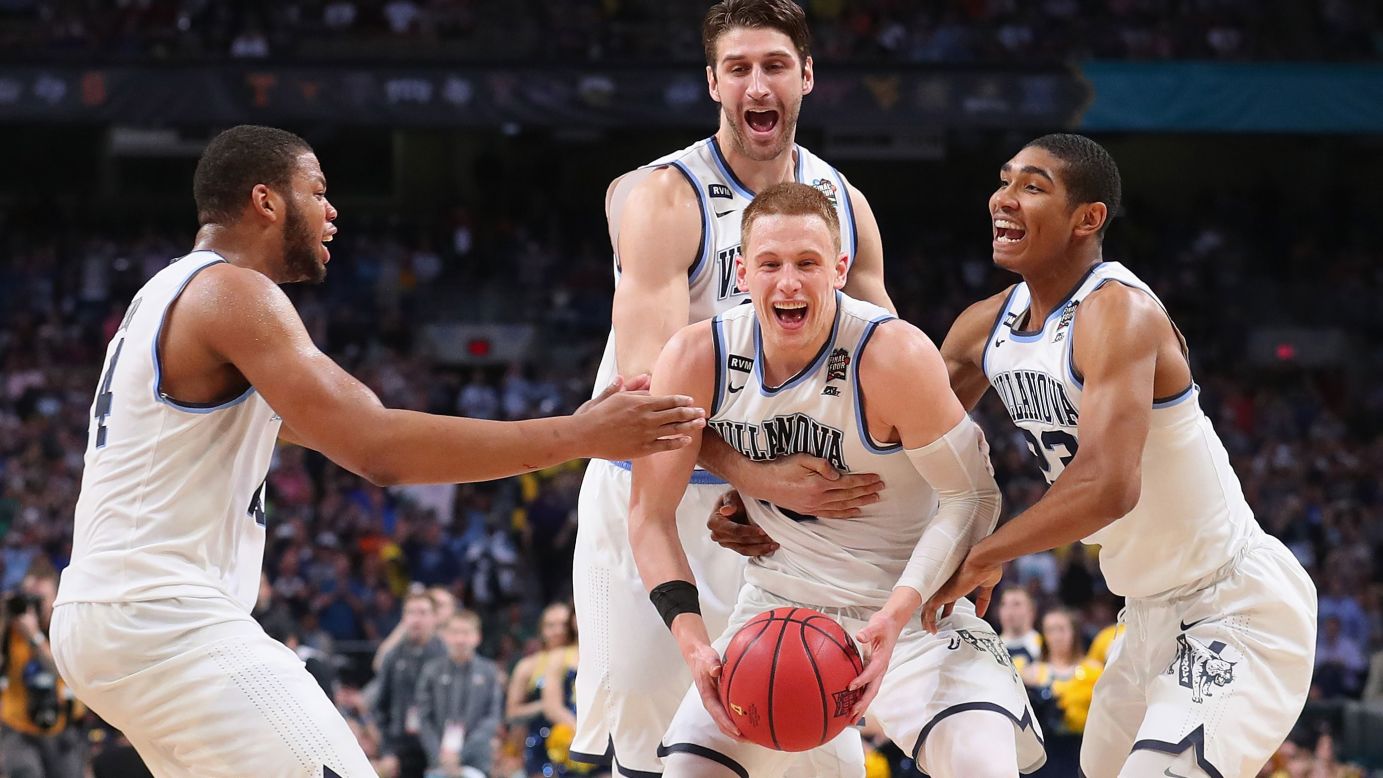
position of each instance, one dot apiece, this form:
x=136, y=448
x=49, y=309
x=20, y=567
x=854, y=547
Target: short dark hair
x=790, y=199
x=1090, y=175
x=785, y=16
x=235, y=162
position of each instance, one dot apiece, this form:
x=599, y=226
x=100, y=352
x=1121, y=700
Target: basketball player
x=841, y=379
x=1221, y=619
x=675, y=228
x=209, y=367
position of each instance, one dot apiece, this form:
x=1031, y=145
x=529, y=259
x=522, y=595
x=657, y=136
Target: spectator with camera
x=38, y=734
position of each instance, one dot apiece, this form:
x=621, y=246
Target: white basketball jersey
x=823, y=562
x=1191, y=517
x=711, y=278
x=172, y=495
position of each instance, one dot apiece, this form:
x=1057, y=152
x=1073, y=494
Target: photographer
x=35, y=706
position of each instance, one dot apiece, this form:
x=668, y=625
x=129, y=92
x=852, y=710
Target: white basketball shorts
x=200, y=690
x=964, y=667
x=1220, y=668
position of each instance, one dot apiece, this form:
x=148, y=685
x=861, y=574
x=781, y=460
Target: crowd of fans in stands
x=893, y=31
x=343, y=555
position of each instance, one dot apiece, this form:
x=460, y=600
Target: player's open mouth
x=1006, y=231
x=325, y=240
x=790, y=314
x=761, y=121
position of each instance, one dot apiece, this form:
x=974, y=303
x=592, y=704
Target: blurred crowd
x=380, y=590
x=892, y=31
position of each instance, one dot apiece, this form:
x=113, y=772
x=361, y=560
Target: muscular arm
x=1117, y=337
x=914, y=403
x=659, y=481
x=907, y=400
x=963, y=349
x=866, y=276
x=243, y=319
x=657, y=231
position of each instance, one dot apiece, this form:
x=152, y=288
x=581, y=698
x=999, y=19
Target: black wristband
x=674, y=598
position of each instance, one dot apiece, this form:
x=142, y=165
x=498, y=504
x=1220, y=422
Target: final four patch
x=828, y=188
x=837, y=365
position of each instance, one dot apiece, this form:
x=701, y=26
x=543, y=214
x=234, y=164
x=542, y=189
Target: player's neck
x=782, y=362
x=236, y=246
x=754, y=174
x=1051, y=287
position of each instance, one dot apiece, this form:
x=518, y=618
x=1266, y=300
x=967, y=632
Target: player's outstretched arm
x=963, y=349
x=866, y=274
x=687, y=364
x=657, y=233
x=906, y=390
x=245, y=321
x=1116, y=343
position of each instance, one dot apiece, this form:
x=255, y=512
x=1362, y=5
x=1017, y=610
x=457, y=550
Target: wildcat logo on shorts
x=1200, y=668
x=828, y=188
x=988, y=644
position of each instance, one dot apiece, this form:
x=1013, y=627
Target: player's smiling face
x=792, y=268
x=1031, y=219
x=759, y=81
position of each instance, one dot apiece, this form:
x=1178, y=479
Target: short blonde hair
x=791, y=199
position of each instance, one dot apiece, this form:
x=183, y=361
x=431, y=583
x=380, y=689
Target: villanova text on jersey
x=1032, y=395
x=781, y=436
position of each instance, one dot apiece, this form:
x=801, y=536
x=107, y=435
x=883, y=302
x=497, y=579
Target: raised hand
x=625, y=423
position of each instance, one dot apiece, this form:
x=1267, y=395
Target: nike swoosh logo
x=722, y=214
x=1185, y=626
x=734, y=389
x=998, y=343
x=1169, y=772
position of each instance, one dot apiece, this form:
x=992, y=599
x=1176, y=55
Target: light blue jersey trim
x=707, y=247
x=724, y=166
x=849, y=216
x=159, y=397
x=1172, y=402
x=868, y=440
x=1034, y=336
x=722, y=367
x=698, y=477
x=994, y=330
x=1158, y=404
x=807, y=371
x=1070, y=358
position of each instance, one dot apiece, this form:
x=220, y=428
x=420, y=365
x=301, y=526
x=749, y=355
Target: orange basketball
x=786, y=678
